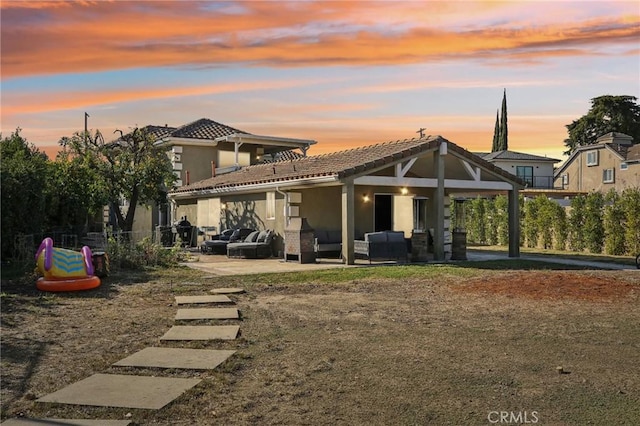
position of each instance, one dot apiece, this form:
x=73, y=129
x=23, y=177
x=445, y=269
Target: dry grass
x=392, y=345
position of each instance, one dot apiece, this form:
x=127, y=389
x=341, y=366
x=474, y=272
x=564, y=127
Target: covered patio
x=404, y=185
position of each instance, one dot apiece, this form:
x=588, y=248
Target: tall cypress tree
x=496, y=134
x=503, y=144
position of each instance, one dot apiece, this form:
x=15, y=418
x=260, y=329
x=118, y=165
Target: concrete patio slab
x=194, y=359
x=114, y=390
x=201, y=332
x=227, y=290
x=64, y=422
x=207, y=313
x=218, y=298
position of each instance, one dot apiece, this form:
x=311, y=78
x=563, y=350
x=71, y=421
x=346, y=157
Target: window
x=526, y=174
x=271, y=205
x=565, y=179
x=592, y=158
x=420, y=214
x=608, y=176
x=624, y=166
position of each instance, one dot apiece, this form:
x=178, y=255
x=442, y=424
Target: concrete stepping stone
x=218, y=298
x=195, y=359
x=207, y=313
x=201, y=332
x=114, y=390
x=227, y=290
x=63, y=422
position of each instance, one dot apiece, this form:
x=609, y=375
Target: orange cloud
x=25, y=103
x=97, y=36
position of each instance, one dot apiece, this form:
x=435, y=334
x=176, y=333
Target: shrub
x=613, y=222
x=501, y=208
x=560, y=229
x=530, y=227
x=576, y=223
x=128, y=255
x=630, y=201
x=477, y=221
x=593, y=227
x=491, y=222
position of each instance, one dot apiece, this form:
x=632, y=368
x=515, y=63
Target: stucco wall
x=197, y=160
x=322, y=207
x=250, y=211
x=228, y=158
x=189, y=209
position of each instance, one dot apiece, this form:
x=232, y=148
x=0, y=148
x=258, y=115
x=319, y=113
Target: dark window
x=525, y=173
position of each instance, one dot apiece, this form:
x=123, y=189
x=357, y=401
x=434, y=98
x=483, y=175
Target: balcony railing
x=538, y=182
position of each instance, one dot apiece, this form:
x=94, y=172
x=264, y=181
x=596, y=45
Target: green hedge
x=595, y=222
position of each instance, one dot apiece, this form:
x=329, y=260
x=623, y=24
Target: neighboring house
x=402, y=185
x=534, y=170
x=206, y=148
x=613, y=162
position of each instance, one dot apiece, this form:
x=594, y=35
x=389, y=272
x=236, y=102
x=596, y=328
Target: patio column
x=438, y=237
x=514, y=223
x=348, y=224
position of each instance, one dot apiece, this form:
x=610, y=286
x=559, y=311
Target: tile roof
x=204, y=129
x=159, y=132
x=514, y=156
x=337, y=164
x=287, y=155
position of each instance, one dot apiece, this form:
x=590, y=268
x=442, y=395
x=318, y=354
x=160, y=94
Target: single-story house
x=402, y=185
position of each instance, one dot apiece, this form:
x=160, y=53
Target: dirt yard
x=443, y=345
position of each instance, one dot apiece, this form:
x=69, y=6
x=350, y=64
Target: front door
x=383, y=212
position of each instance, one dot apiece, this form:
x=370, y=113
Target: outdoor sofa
x=257, y=245
x=385, y=245
x=327, y=242
x=218, y=243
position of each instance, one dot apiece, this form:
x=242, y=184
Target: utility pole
x=421, y=132
x=86, y=131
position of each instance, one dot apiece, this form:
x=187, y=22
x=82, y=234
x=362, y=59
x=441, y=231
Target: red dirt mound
x=552, y=286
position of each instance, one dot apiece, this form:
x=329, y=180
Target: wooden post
x=438, y=237
x=348, y=222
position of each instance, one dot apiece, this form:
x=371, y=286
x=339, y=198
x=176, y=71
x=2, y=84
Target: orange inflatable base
x=71, y=284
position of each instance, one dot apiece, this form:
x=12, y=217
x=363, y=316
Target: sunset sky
x=342, y=73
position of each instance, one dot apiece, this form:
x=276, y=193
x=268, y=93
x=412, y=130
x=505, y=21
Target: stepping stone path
x=207, y=313
x=185, y=300
x=196, y=359
x=147, y=392
x=201, y=332
x=227, y=290
x=115, y=390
